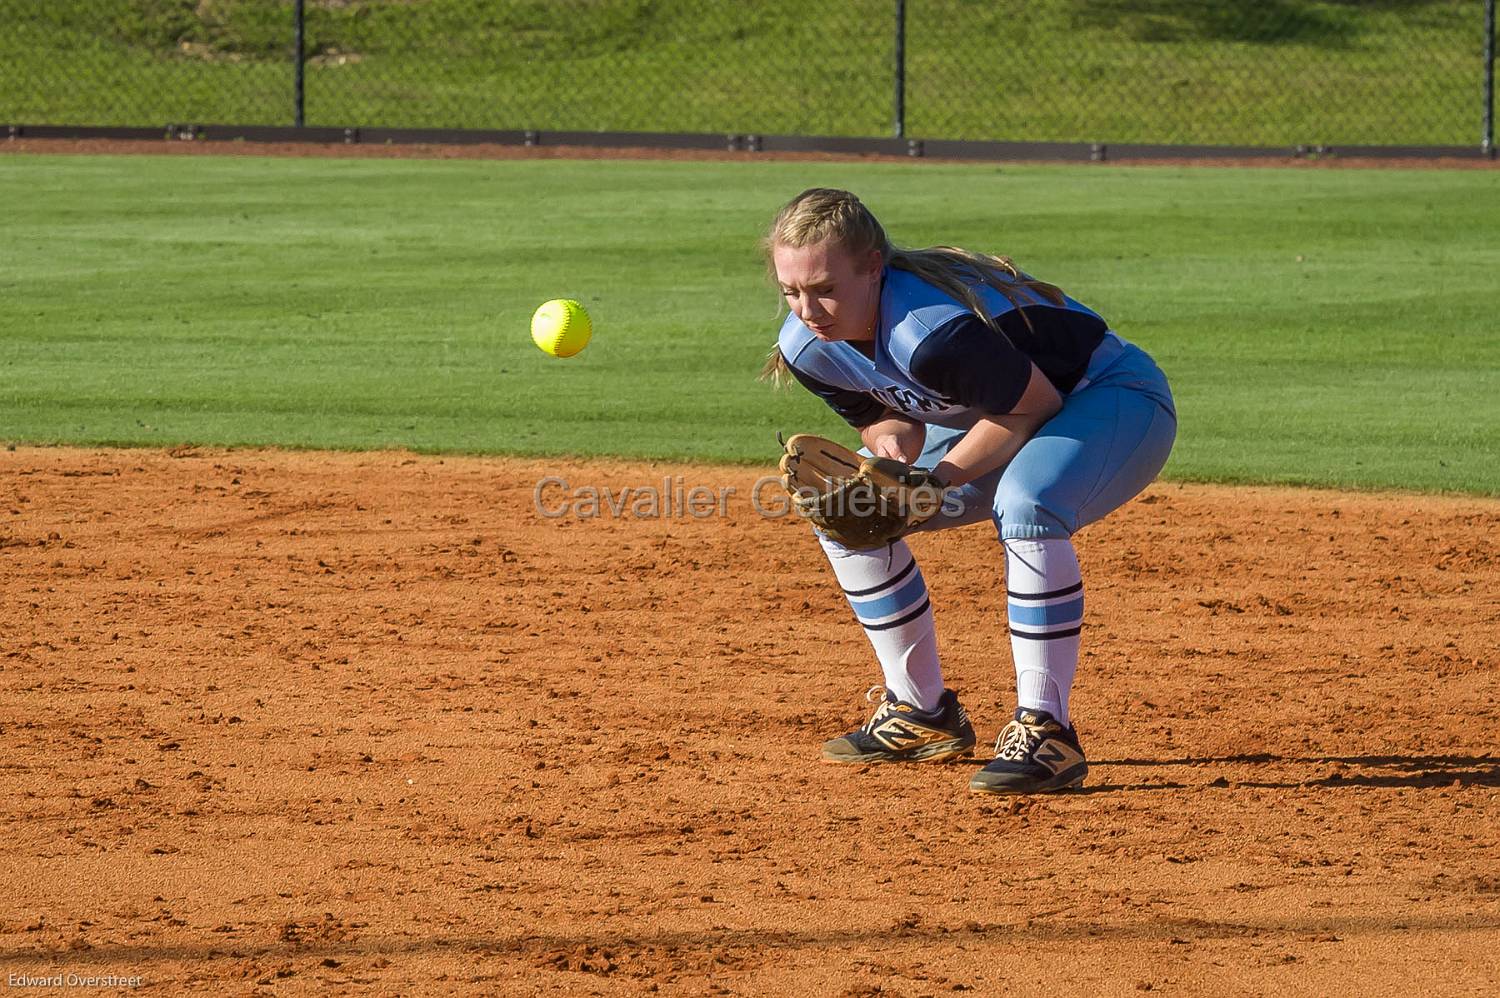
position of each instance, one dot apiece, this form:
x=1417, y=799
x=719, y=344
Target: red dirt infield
x=371, y=724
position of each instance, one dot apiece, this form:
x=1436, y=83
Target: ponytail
x=776, y=370
x=959, y=271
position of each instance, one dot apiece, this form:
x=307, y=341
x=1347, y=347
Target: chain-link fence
x=1233, y=72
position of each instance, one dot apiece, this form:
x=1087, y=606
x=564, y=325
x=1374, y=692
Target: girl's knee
x=1031, y=513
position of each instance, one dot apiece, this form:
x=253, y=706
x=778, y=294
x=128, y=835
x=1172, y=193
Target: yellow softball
x=561, y=327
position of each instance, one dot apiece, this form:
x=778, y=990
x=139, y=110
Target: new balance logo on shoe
x=895, y=734
x=1051, y=754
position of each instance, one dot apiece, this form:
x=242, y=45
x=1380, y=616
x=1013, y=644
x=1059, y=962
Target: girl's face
x=835, y=295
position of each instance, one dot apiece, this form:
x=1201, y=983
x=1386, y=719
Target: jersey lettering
x=905, y=400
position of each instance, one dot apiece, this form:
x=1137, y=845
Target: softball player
x=1024, y=403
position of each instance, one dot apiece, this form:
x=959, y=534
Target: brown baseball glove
x=861, y=502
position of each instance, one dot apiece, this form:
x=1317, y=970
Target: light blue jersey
x=937, y=363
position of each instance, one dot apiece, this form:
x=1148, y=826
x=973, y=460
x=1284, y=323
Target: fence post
x=297, y=84
x=901, y=68
x=1488, y=141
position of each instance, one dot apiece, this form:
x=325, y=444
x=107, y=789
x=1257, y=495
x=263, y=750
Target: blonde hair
x=823, y=213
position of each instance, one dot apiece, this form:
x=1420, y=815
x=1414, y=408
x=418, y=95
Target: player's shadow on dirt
x=1390, y=771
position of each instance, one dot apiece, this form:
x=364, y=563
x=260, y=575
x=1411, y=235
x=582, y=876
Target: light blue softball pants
x=1109, y=442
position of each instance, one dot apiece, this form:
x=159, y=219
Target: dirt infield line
x=510, y=152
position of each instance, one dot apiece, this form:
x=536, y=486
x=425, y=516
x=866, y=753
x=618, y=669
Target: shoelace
x=1017, y=742
x=881, y=711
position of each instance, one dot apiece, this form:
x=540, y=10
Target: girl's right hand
x=886, y=445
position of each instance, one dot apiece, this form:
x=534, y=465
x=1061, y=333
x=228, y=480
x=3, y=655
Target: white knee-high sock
x=1045, y=610
x=889, y=597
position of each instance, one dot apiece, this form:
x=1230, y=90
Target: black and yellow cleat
x=1033, y=755
x=899, y=732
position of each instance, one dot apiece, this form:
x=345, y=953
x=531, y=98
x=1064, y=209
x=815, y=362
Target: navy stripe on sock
x=904, y=620
x=1076, y=587
x=1046, y=635
x=888, y=583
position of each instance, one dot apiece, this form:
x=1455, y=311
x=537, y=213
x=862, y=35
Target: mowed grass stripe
x=1328, y=327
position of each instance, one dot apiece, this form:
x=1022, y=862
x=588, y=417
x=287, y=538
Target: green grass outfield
x=1329, y=327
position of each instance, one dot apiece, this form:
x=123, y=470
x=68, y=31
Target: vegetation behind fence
x=1273, y=72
